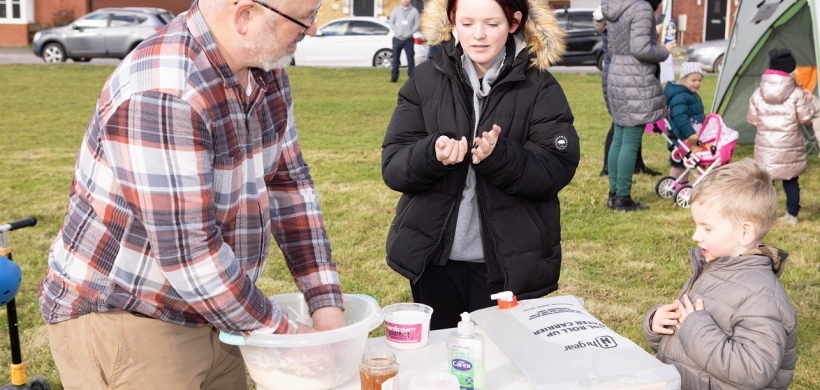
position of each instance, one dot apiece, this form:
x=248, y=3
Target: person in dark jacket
x=634, y=91
x=480, y=143
x=685, y=111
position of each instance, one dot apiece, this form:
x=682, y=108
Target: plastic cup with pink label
x=407, y=325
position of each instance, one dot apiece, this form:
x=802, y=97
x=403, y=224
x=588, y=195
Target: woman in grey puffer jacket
x=634, y=92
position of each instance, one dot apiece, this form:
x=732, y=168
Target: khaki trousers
x=122, y=351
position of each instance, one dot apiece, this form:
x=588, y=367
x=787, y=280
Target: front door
x=363, y=8
x=715, y=19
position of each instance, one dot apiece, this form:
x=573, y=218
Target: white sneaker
x=789, y=219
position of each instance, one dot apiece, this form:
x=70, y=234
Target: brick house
x=332, y=9
x=703, y=20
x=17, y=17
x=697, y=20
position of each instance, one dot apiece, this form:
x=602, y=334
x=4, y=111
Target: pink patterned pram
x=718, y=142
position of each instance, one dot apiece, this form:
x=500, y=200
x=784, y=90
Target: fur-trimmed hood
x=544, y=38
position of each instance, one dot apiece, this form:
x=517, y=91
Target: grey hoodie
x=634, y=91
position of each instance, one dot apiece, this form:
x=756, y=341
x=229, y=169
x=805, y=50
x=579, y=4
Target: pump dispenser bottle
x=466, y=354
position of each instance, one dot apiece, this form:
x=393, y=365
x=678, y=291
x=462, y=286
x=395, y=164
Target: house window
x=17, y=11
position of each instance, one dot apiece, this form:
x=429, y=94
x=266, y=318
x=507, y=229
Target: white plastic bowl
x=310, y=361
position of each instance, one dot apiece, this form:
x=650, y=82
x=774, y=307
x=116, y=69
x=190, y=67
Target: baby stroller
x=718, y=143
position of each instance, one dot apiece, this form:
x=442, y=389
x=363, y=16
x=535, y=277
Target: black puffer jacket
x=517, y=185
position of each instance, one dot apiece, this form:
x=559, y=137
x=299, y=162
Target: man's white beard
x=277, y=63
x=263, y=44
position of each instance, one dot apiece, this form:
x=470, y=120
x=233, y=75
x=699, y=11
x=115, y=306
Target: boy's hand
x=666, y=315
x=685, y=308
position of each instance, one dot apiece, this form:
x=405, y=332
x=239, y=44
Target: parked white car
x=354, y=41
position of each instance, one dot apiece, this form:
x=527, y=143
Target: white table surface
x=500, y=372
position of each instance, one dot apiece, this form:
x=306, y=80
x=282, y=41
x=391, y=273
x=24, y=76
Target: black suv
x=584, y=44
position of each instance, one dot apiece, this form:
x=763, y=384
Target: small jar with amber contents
x=379, y=371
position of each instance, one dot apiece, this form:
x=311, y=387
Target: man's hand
x=317, y=359
x=302, y=328
x=666, y=315
x=685, y=308
x=328, y=318
x=449, y=151
x=485, y=145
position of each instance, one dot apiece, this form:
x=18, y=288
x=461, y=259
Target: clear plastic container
x=433, y=380
x=311, y=361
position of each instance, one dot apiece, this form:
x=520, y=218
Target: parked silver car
x=104, y=33
x=709, y=54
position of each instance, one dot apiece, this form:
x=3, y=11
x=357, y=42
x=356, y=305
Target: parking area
x=25, y=56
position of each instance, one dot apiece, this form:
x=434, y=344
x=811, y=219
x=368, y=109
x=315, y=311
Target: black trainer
x=648, y=171
x=625, y=203
x=610, y=201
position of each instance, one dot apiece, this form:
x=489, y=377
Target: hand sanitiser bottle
x=466, y=354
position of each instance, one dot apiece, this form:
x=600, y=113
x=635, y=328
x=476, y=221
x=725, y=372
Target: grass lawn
x=619, y=263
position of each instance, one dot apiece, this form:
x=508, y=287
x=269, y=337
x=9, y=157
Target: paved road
x=25, y=56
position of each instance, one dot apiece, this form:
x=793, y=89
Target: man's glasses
x=304, y=26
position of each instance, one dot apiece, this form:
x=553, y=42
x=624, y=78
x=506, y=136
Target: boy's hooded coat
x=516, y=186
x=746, y=336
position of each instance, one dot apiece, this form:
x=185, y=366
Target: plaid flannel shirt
x=179, y=183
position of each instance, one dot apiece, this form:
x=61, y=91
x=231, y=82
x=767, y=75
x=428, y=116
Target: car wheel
x=600, y=62
x=53, y=53
x=718, y=65
x=134, y=46
x=383, y=59
x=82, y=59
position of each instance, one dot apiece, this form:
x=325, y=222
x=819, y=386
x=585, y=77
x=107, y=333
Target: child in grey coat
x=732, y=326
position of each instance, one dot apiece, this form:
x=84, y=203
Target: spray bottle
x=466, y=354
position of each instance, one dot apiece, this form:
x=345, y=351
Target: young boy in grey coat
x=733, y=326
